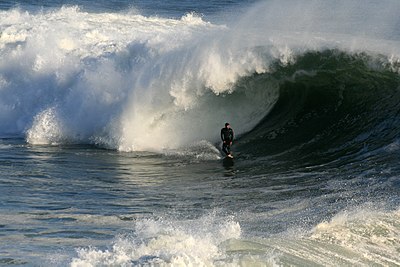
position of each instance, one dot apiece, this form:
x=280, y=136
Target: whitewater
x=109, y=133
x=95, y=80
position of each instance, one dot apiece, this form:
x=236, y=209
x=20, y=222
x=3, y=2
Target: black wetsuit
x=227, y=136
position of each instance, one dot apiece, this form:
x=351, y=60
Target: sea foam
x=166, y=243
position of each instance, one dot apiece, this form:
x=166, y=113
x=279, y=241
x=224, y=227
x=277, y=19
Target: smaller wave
x=361, y=237
x=364, y=236
x=166, y=243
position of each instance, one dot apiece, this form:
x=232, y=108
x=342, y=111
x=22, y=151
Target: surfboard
x=229, y=157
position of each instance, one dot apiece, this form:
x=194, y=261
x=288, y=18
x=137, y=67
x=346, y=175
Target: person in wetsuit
x=227, y=136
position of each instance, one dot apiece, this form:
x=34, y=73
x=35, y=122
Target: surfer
x=227, y=136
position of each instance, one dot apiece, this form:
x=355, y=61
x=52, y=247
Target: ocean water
x=110, y=113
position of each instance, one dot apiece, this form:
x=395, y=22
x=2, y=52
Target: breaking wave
x=129, y=82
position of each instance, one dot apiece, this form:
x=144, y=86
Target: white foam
x=372, y=235
x=46, y=128
x=166, y=243
x=202, y=150
x=363, y=236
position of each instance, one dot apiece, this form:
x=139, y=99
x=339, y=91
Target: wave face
x=331, y=104
x=130, y=82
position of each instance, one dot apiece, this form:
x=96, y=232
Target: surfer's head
x=227, y=125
